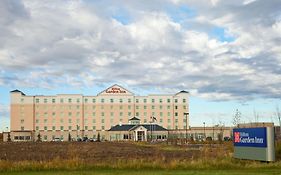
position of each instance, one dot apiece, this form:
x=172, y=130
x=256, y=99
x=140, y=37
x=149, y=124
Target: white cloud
x=49, y=43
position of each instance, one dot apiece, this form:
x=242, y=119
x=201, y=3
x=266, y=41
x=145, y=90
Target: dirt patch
x=93, y=151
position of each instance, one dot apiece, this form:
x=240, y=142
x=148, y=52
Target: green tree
x=39, y=138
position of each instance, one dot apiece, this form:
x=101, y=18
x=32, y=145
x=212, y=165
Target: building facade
x=59, y=116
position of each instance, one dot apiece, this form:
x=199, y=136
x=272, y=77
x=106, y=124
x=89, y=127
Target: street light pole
x=186, y=113
x=204, y=131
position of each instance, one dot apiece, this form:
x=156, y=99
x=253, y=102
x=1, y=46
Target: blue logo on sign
x=250, y=137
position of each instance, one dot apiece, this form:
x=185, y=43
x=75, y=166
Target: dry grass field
x=125, y=157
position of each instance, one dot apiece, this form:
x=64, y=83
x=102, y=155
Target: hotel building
x=78, y=116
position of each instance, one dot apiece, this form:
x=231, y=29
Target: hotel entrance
x=140, y=136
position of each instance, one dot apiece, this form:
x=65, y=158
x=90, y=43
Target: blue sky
x=225, y=53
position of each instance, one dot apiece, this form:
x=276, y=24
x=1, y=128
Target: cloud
x=146, y=45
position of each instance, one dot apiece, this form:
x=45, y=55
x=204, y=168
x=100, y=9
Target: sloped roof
x=134, y=118
x=128, y=127
x=17, y=91
x=109, y=91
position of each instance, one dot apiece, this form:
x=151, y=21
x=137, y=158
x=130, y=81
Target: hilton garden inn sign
x=254, y=143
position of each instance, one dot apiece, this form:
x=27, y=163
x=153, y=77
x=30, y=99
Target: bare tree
x=278, y=114
x=236, y=118
x=256, y=115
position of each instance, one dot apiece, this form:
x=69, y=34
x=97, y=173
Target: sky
x=227, y=54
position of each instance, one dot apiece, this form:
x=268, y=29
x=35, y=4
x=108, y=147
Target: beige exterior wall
x=89, y=115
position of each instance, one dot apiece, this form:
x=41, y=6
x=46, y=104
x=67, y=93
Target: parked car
x=84, y=139
x=79, y=140
x=57, y=139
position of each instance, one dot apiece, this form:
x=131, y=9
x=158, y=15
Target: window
x=129, y=114
x=70, y=113
x=129, y=100
x=102, y=107
x=69, y=100
x=37, y=100
x=94, y=100
x=86, y=100
x=86, y=127
x=145, y=113
x=121, y=107
x=111, y=100
x=184, y=100
x=176, y=107
x=61, y=120
x=125, y=136
x=121, y=100
x=160, y=101
x=45, y=137
x=111, y=114
x=45, y=100
x=61, y=128
x=144, y=100
x=94, y=114
x=121, y=114
x=161, y=107
x=53, y=128
x=176, y=114
x=137, y=100
x=184, y=107
x=37, y=128
x=37, y=121
x=144, y=107
x=168, y=107
x=176, y=120
x=45, y=120
x=69, y=128
x=94, y=120
x=176, y=100
x=45, y=128
x=137, y=107
x=145, y=121
x=161, y=114
x=137, y=113
x=152, y=100
x=152, y=107
x=102, y=120
x=102, y=114
x=161, y=120
x=169, y=114
x=169, y=120
x=22, y=121
x=61, y=100
x=53, y=100
x=69, y=121
x=22, y=128
x=102, y=127
x=78, y=100
x=102, y=100
x=94, y=127
x=168, y=100
x=53, y=113
x=129, y=107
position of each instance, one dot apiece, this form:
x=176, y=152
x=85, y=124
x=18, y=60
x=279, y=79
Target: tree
x=69, y=137
x=98, y=139
x=39, y=138
x=278, y=114
x=9, y=137
x=236, y=118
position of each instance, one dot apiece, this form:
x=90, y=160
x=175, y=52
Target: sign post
x=254, y=143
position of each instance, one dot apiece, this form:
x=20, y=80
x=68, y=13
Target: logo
x=236, y=137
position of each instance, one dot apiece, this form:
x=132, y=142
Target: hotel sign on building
x=77, y=115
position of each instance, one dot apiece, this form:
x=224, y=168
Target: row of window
x=46, y=114
x=86, y=100
x=112, y=107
